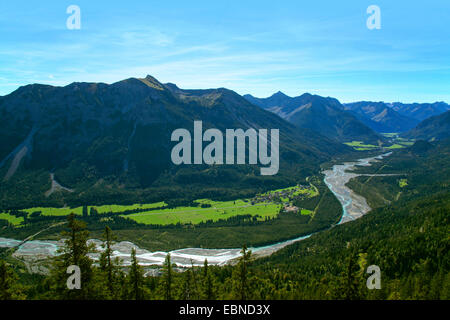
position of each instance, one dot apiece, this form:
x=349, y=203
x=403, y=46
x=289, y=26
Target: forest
x=408, y=239
x=409, y=244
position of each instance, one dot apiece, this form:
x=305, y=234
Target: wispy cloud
x=260, y=48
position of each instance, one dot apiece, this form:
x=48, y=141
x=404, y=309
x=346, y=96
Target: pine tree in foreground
x=74, y=253
x=135, y=278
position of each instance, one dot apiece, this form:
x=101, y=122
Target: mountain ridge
x=324, y=115
x=433, y=128
x=98, y=137
x=380, y=116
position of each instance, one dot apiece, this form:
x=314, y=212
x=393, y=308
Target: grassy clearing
x=101, y=209
x=390, y=134
x=360, y=146
x=221, y=204
x=204, y=209
x=286, y=225
x=395, y=146
x=312, y=192
x=403, y=183
x=54, y=211
x=196, y=215
x=11, y=219
x=120, y=208
x=221, y=210
x=306, y=212
x=399, y=142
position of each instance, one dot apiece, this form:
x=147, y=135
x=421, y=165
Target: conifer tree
x=9, y=290
x=85, y=211
x=74, y=252
x=241, y=285
x=110, y=266
x=208, y=291
x=186, y=293
x=167, y=278
x=136, y=278
x=93, y=212
x=352, y=278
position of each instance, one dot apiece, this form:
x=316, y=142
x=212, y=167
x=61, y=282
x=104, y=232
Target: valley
x=231, y=153
x=335, y=170
x=353, y=207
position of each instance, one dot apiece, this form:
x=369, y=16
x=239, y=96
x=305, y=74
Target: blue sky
x=256, y=47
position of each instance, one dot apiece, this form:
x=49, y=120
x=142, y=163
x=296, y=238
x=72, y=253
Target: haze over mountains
x=381, y=117
x=433, y=128
x=323, y=115
x=349, y=121
x=420, y=111
x=394, y=117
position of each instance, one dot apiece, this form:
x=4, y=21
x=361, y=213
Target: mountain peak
x=306, y=95
x=279, y=94
x=152, y=82
x=172, y=85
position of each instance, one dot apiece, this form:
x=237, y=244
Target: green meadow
x=398, y=143
x=195, y=215
x=306, y=212
x=403, y=183
x=312, y=192
x=390, y=134
x=11, y=219
x=100, y=209
x=360, y=146
x=395, y=146
x=202, y=211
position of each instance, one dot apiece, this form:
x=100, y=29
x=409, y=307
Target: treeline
x=98, y=221
x=28, y=188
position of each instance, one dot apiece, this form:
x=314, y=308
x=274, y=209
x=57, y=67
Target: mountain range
x=323, y=115
x=381, y=117
x=361, y=120
x=433, y=128
x=89, y=139
x=420, y=111
x=95, y=136
x=394, y=117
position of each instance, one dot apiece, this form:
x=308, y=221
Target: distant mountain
x=420, y=111
x=323, y=115
x=434, y=128
x=381, y=117
x=99, y=138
